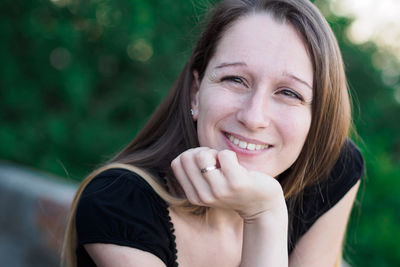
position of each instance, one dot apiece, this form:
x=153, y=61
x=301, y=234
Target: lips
x=246, y=145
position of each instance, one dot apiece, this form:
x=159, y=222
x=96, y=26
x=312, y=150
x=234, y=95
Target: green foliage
x=78, y=79
x=373, y=231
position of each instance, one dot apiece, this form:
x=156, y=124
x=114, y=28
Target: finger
x=193, y=173
x=230, y=166
x=214, y=177
x=184, y=181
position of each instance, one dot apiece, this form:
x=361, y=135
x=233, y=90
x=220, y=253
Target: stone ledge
x=33, y=214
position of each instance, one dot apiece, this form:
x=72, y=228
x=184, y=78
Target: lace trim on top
x=171, y=233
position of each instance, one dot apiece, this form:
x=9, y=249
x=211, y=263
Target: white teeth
x=244, y=144
x=251, y=146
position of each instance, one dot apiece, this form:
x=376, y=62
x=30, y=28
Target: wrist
x=277, y=213
x=272, y=210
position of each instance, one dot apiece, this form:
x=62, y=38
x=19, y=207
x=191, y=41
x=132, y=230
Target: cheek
x=215, y=106
x=215, y=103
x=296, y=127
x=210, y=112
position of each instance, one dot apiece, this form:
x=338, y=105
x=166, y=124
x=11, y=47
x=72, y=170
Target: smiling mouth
x=246, y=145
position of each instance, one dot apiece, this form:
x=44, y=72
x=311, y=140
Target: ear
x=194, y=95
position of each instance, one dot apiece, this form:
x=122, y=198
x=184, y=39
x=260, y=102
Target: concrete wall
x=33, y=212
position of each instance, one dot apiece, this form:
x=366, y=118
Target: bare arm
x=106, y=255
x=322, y=244
x=265, y=240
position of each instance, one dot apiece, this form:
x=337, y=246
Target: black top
x=121, y=208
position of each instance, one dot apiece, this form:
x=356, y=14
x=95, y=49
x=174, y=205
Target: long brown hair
x=171, y=129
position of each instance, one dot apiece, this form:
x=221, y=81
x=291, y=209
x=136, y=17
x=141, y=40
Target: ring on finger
x=207, y=169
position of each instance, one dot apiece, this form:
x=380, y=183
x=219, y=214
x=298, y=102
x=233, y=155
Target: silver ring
x=207, y=169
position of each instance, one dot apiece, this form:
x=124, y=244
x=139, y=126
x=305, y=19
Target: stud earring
x=191, y=112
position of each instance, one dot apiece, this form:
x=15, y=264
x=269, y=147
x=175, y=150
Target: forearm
x=265, y=240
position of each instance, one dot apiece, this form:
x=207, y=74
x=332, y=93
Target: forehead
x=266, y=44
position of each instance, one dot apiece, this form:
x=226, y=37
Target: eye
x=234, y=79
x=291, y=94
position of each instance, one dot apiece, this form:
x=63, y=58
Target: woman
x=246, y=162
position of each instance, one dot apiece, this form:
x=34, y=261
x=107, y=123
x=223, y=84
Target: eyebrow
x=230, y=64
x=240, y=63
x=294, y=77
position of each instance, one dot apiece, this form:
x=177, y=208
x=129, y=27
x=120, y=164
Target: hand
x=230, y=186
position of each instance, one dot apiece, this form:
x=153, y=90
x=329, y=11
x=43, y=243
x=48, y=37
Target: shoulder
x=119, y=207
x=350, y=164
x=322, y=196
x=118, y=191
x=116, y=180
x=118, y=196
x=346, y=172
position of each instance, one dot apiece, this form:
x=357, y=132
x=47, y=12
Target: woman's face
x=255, y=97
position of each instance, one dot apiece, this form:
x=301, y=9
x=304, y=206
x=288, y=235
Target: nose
x=254, y=113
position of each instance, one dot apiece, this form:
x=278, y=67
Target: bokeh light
x=140, y=50
x=60, y=58
x=373, y=21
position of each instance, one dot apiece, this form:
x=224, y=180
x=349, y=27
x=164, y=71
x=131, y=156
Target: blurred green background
x=78, y=79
